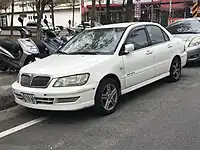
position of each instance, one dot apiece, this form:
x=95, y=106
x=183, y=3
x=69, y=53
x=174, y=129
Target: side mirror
x=129, y=48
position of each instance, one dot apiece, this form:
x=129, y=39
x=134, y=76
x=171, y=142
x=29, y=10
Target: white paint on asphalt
x=22, y=126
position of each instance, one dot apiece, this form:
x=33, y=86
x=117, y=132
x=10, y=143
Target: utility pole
x=108, y=11
x=73, y=10
x=185, y=9
x=195, y=8
x=93, y=15
x=170, y=11
x=52, y=14
x=152, y=11
x=100, y=11
x=170, y=8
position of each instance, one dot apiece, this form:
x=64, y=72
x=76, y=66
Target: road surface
x=161, y=116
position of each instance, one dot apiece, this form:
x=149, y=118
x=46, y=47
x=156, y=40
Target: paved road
x=162, y=116
x=6, y=79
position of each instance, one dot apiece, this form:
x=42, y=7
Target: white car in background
x=32, y=27
x=80, y=27
x=98, y=65
x=188, y=29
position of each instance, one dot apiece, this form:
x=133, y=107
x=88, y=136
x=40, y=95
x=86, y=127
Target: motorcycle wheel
x=3, y=66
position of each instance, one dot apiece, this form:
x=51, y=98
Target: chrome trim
x=32, y=76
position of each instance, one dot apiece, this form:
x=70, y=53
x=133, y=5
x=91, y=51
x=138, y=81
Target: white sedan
x=98, y=65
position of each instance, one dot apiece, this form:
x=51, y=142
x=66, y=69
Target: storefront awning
x=174, y=6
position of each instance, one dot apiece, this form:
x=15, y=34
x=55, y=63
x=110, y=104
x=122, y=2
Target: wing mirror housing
x=129, y=48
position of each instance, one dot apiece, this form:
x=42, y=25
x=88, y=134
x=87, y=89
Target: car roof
x=123, y=25
x=188, y=19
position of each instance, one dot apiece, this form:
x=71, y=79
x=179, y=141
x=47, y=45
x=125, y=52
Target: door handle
x=149, y=52
x=169, y=45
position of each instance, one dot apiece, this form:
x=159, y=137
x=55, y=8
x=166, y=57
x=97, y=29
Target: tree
x=51, y=6
x=12, y=18
x=129, y=11
x=4, y=4
x=40, y=6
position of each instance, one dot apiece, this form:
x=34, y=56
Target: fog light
x=66, y=100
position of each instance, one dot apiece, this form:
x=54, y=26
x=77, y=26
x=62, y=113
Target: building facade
x=63, y=13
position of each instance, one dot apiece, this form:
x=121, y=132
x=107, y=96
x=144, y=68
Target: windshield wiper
x=86, y=53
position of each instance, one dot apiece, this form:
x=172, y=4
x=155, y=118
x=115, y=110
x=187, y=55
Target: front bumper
x=193, y=54
x=58, y=99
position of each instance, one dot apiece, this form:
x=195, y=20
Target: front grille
x=25, y=80
x=29, y=80
x=40, y=81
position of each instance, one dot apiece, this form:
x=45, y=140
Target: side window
x=138, y=38
x=166, y=36
x=156, y=34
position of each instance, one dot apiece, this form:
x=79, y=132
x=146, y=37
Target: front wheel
x=175, y=70
x=107, y=97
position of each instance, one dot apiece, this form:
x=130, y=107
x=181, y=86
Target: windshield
x=184, y=27
x=95, y=41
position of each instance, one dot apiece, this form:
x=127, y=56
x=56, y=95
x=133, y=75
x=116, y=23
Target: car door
x=163, y=49
x=138, y=63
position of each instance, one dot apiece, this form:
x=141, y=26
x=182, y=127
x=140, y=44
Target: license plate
x=29, y=98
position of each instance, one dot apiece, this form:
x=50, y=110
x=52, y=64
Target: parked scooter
x=52, y=41
x=23, y=31
x=15, y=55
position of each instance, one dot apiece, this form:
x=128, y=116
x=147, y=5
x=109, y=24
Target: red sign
x=171, y=20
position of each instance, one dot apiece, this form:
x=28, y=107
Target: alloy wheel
x=109, y=97
x=176, y=69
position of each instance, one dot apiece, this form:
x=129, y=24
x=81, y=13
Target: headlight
x=74, y=80
x=195, y=41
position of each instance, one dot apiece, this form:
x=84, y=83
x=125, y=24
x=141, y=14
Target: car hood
x=58, y=65
x=185, y=37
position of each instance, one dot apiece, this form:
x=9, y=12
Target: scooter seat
x=11, y=46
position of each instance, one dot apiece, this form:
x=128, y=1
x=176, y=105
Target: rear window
x=184, y=27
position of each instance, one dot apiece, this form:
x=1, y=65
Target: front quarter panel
x=112, y=66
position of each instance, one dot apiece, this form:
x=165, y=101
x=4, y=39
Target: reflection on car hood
x=63, y=65
x=185, y=37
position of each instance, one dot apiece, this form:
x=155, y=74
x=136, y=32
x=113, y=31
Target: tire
x=106, y=104
x=175, y=70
